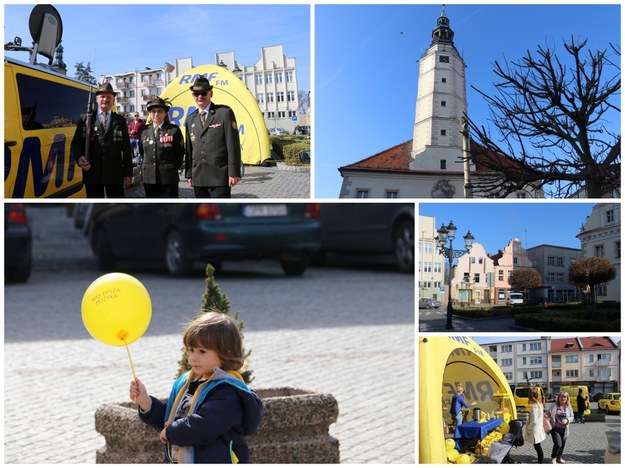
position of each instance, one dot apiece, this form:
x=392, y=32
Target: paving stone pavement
x=53, y=388
x=257, y=182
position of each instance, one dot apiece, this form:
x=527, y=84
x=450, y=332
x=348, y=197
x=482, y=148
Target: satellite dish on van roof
x=46, y=29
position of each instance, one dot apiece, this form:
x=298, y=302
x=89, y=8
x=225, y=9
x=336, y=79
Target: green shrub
x=570, y=321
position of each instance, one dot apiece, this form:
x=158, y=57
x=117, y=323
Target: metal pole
x=450, y=255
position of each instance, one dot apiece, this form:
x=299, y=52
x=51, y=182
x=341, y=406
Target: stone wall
x=295, y=429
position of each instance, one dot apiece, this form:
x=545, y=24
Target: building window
x=536, y=374
x=443, y=164
x=362, y=193
x=476, y=278
x=427, y=267
x=443, y=80
x=278, y=77
x=535, y=346
x=391, y=194
x=438, y=267
x=259, y=79
x=269, y=97
x=599, y=250
x=443, y=132
x=572, y=358
x=443, y=103
x=268, y=78
x=618, y=249
x=506, y=362
x=500, y=275
x=443, y=58
x=292, y=113
x=290, y=96
x=506, y=348
x=536, y=360
x=281, y=114
x=609, y=215
x=602, y=289
x=270, y=114
x=289, y=77
x=428, y=247
x=572, y=373
x=280, y=96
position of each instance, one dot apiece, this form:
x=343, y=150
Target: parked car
x=521, y=397
x=516, y=298
x=599, y=396
x=277, y=131
x=611, y=404
x=369, y=228
x=184, y=234
x=436, y=304
x=425, y=303
x=18, y=240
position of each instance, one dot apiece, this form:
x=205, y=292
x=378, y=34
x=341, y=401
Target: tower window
x=443, y=59
x=443, y=103
x=443, y=132
x=443, y=80
x=443, y=164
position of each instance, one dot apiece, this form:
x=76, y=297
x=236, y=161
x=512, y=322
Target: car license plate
x=257, y=211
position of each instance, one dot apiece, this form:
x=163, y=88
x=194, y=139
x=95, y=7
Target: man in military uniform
x=162, y=147
x=108, y=168
x=213, y=150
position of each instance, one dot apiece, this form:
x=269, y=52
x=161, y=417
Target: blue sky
x=494, y=224
x=150, y=35
x=366, y=66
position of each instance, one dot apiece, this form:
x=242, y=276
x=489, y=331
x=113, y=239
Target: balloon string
x=132, y=367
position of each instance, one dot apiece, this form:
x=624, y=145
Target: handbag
x=546, y=425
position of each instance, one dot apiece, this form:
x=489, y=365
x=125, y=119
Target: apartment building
x=523, y=361
x=553, y=262
x=432, y=266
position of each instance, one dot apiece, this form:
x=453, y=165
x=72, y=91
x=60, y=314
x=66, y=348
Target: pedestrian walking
x=107, y=170
x=560, y=417
x=210, y=407
x=213, y=149
x=534, y=430
x=457, y=403
x=134, y=131
x=581, y=407
x=162, y=146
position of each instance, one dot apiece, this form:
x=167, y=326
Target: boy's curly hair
x=220, y=333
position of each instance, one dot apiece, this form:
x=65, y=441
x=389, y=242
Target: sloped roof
x=565, y=344
x=597, y=342
x=397, y=159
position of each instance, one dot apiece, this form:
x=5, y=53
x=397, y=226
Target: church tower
x=441, y=102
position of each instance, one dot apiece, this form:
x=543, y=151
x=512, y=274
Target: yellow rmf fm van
x=41, y=108
x=573, y=390
x=521, y=397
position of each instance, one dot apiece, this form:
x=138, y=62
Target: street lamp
x=448, y=233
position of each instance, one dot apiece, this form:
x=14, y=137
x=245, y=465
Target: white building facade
x=601, y=237
x=432, y=265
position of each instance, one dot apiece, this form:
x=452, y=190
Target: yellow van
x=521, y=397
x=41, y=108
x=573, y=390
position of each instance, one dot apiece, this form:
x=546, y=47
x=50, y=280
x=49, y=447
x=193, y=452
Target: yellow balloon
x=116, y=309
x=452, y=455
x=464, y=459
x=450, y=444
x=504, y=428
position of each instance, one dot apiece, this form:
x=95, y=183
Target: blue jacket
x=223, y=410
x=457, y=402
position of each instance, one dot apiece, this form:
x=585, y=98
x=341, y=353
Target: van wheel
x=106, y=260
x=175, y=255
x=403, y=246
x=294, y=267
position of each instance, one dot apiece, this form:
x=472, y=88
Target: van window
x=46, y=104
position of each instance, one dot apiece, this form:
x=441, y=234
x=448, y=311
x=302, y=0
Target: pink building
x=506, y=260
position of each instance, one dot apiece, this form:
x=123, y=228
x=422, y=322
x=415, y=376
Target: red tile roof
x=597, y=342
x=564, y=344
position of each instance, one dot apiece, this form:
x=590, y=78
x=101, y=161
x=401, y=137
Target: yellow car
x=611, y=404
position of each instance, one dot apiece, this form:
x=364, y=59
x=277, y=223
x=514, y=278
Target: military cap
x=158, y=102
x=201, y=84
x=105, y=88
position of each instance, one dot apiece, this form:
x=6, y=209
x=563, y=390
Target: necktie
x=203, y=118
x=104, y=116
x=157, y=132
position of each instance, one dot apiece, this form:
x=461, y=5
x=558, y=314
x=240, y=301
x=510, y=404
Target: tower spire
x=442, y=34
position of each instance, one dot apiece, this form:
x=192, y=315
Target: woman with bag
x=534, y=430
x=560, y=416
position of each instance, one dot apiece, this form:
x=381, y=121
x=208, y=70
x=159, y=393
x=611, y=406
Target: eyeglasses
x=203, y=93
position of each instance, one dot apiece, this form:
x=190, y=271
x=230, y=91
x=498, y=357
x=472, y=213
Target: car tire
x=403, y=246
x=175, y=255
x=294, y=267
x=106, y=260
x=21, y=273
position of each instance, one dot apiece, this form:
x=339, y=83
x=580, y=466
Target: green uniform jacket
x=163, y=156
x=213, y=153
x=111, y=156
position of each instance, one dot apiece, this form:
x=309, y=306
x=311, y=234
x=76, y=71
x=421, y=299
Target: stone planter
x=294, y=430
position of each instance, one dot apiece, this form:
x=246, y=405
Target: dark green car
x=183, y=234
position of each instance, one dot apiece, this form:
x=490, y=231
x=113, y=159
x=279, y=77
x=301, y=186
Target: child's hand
x=139, y=394
x=163, y=436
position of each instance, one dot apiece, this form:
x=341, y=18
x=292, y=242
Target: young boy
x=210, y=408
